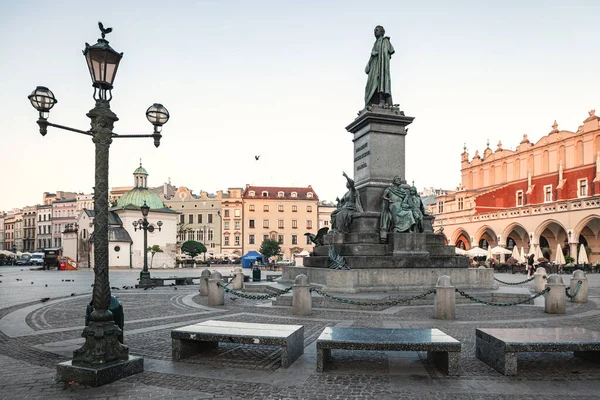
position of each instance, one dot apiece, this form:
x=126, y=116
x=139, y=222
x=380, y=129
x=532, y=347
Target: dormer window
x=309, y=195
x=265, y=194
x=280, y=194
x=294, y=194
x=251, y=193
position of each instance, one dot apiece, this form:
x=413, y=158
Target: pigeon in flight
x=256, y=157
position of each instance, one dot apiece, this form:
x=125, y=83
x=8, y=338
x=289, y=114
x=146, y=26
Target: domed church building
x=126, y=244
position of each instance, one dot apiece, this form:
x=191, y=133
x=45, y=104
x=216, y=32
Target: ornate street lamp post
x=102, y=359
x=144, y=225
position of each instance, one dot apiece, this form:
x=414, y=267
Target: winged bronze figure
x=318, y=238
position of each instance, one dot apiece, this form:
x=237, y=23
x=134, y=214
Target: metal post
x=145, y=274
x=101, y=335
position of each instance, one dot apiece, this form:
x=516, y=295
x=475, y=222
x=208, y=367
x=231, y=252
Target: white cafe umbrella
x=500, y=250
x=538, y=253
x=582, y=256
x=560, y=258
x=515, y=253
x=489, y=254
x=522, y=256
x=477, y=252
x=460, y=252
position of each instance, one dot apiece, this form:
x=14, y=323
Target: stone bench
x=499, y=347
x=442, y=350
x=194, y=339
x=179, y=280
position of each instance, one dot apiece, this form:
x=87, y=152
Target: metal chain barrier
x=516, y=283
x=490, y=303
x=254, y=297
x=388, y=303
x=579, y=284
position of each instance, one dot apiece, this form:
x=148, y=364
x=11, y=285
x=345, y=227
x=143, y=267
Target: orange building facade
x=284, y=214
x=544, y=194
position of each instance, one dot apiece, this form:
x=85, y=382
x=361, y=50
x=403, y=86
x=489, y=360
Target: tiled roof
x=273, y=191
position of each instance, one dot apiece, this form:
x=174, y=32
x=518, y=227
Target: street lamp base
x=145, y=280
x=101, y=375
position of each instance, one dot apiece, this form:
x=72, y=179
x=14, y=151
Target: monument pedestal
x=379, y=148
x=379, y=260
x=100, y=375
x=363, y=280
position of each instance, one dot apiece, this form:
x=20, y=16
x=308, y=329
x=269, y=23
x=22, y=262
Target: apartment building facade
x=284, y=214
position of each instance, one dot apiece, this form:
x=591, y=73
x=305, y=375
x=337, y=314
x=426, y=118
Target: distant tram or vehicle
x=52, y=258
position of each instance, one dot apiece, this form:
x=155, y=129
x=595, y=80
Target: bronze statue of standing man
x=379, y=84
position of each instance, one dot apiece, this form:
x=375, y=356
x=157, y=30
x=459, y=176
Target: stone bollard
x=204, y=276
x=444, y=301
x=555, y=299
x=216, y=293
x=582, y=294
x=238, y=279
x=301, y=297
x=539, y=279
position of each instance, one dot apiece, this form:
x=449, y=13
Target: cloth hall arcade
x=542, y=194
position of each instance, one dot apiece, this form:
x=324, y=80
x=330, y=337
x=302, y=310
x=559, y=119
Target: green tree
x=154, y=249
x=269, y=248
x=193, y=248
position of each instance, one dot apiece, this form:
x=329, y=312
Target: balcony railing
x=524, y=211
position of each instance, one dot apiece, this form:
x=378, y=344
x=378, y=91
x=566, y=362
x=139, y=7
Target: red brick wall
x=505, y=197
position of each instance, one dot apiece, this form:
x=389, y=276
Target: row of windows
x=64, y=213
x=42, y=217
x=190, y=219
x=280, y=223
x=281, y=195
x=279, y=238
x=236, y=213
x=44, y=229
x=279, y=208
x=582, y=191
x=236, y=240
x=237, y=224
x=197, y=235
x=43, y=243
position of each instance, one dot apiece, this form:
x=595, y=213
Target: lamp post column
x=145, y=274
x=101, y=335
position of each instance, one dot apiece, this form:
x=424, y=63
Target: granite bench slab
x=196, y=338
x=179, y=280
x=442, y=350
x=499, y=347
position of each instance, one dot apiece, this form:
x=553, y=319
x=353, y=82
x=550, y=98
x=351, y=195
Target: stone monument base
x=390, y=279
x=98, y=376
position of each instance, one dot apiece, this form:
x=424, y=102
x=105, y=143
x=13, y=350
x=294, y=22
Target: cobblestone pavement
x=35, y=336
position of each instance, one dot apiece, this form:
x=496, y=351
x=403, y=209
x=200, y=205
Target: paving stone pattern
x=253, y=372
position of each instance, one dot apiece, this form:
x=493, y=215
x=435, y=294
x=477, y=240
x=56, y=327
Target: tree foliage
x=193, y=248
x=154, y=249
x=269, y=248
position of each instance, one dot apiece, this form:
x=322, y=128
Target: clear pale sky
x=281, y=79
